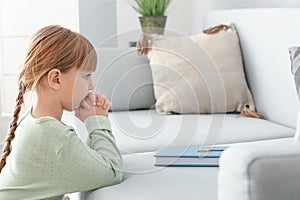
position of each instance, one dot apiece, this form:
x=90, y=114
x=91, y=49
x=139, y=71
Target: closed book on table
x=192, y=156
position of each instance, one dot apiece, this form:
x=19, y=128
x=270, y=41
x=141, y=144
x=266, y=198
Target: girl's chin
x=74, y=107
x=70, y=109
x=77, y=105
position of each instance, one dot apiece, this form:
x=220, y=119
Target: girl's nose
x=91, y=85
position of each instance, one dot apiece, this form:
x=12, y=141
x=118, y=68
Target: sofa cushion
x=144, y=181
x=199, y=74
x=146, y=130
x=295, y=69
x=295, y=66
x=125, y=78
x=140, y=131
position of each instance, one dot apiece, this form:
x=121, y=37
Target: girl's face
x=77, y=87
x=83, y=85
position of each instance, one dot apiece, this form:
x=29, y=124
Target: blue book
x=192, y=156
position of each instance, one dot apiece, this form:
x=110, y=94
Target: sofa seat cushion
x=146, y=130
x=142, y=131
x=144, y=181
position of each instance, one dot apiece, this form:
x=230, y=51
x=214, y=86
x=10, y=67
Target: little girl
x=42, y=157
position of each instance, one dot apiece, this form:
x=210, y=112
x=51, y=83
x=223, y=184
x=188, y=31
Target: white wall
x=198, y=8
x=1, y=78
x=185, y=16
x=18, y=21
x=98, y=21
x=128, y=24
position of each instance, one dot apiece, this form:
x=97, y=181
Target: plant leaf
x=150, y=7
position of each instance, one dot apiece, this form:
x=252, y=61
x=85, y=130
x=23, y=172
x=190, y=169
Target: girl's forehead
x=87, y=68
x=84, y=71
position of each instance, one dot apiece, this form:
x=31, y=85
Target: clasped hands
x=93, y=104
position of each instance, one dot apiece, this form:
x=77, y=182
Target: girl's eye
x=87, y=76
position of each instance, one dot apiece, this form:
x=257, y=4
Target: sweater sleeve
x=93, y=165
x=102, y=141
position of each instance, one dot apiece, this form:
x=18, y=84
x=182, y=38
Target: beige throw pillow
x=199, y=74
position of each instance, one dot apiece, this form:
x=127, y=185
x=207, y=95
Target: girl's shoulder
x=45, y=125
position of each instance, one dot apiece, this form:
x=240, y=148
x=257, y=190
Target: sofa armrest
x=260, y=172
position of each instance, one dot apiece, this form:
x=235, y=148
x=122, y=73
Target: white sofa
x=263, y=160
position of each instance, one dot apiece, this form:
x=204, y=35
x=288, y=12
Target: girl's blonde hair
x=52, y=47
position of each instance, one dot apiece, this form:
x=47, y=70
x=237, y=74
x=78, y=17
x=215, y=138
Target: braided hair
x=52, y=47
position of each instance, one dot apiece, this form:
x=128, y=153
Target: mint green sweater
x=48, y=159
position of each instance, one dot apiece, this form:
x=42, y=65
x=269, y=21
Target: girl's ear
x=53, y=78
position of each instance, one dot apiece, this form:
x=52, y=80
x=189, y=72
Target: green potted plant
x=153, y=17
